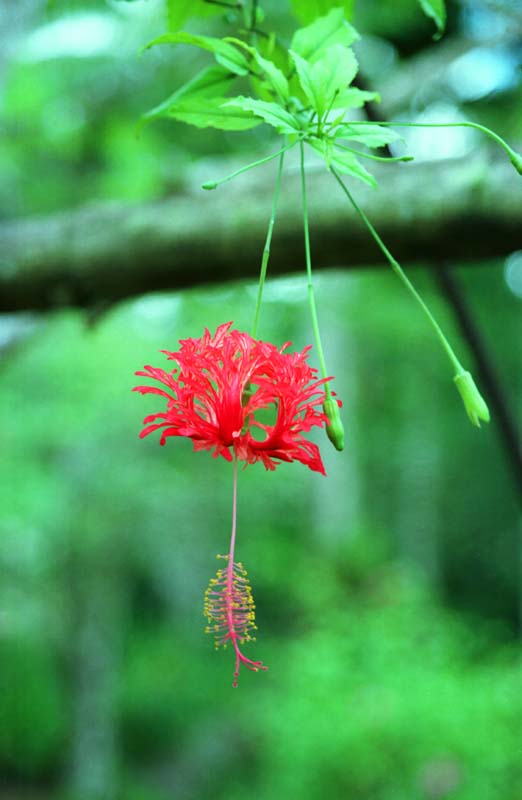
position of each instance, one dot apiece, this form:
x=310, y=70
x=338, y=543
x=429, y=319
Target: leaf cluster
x=305, y=96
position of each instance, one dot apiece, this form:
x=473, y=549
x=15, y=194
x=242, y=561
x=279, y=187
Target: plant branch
x=106, y=252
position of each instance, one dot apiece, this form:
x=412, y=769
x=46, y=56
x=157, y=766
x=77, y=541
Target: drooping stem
x=268, y=241
x=214, y=184
x=239, y=604
x=232, y=548
x=311, y=295
x=515, y=157
x=459, y=369
x=229, y=589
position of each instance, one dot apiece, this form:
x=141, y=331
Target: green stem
x=459, y=369
x=311, y=296
x=482, y=128
x=387, y=159
x=214, y=184
x=266, y=250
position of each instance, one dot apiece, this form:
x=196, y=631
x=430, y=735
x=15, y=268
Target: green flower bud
x=334, y=428
x=474, y=403
x=209, y=185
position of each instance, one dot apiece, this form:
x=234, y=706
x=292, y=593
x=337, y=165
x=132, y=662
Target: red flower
x=222, y=382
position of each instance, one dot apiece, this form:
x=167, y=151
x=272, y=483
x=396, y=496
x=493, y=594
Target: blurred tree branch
x=456, y=210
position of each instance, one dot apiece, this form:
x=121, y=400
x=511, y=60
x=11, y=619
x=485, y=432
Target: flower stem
x=514, y=157
x=232, y=548
x=268, y=241
x=459, y=369
x=214, y=184
x=311, y=295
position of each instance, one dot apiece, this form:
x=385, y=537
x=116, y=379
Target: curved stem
x=459, y=369
x=311, y=295
x=214, y=184
x=268, y=241
x=482, y=128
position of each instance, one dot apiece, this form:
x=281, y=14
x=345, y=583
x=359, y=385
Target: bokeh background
x=388, y=594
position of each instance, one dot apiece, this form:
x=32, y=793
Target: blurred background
x=388, y=594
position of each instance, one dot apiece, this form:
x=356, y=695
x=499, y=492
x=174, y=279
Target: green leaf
x=344, y=162
x=271, y=113
x=225, y=53
x=308, y=10
x=274, y=75
x=210, y=82
x=355, y=98
x=327, y=76
x=212, y=112
x=369, y=133
x=178, y=11
x=324, y=32
x=436, y=10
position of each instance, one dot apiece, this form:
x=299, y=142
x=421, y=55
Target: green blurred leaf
x=274, y=75
x=226, y=54
x=308, y=10
x=344, y=162
x=213, y=112
x=178, y=11
x=371, y=134
x=436, y=10
x=210, y=82
x=271, y=113
x=327, y=76
x=323, y=33
x=355, y=98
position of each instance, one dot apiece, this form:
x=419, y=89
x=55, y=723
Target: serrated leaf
x=344, y=162
x=355, y=98
x=369, y=133
x=271, y=113
x=323, y=33
x=213, y=112
x=225, y=53
x=210, y=82
x=308, y=10
x=274, y=75
x=436, y=10
x=327, y=76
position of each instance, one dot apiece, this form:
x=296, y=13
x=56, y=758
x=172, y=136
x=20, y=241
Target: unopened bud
x=209, y=185
x=474, y=403
x=334, y=427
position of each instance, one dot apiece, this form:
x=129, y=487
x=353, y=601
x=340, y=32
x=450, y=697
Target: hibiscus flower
x=222, y=383
x=219, y=395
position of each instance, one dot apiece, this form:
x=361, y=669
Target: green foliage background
x=387, y=594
